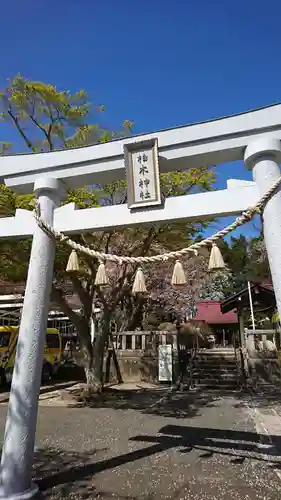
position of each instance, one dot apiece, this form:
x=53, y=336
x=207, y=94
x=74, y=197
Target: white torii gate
x=254, y=136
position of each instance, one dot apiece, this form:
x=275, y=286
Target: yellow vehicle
x=8, y=344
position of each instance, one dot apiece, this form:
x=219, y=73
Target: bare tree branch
x=20, y=130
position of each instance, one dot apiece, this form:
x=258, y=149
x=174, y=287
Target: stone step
x=202, y=366
x=216, y=369
x=214, y=359
x=214, y=382
x=215, y=373
x=202, y=362
x=217, y=350
x=210, y=362
x=211, y=368
x=206, y=376
x=215, y=353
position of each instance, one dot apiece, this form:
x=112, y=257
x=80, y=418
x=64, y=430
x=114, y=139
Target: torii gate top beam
x=200, y=144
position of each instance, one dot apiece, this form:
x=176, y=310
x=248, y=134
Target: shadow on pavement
x=157, y=402
x=72, y=473
x=263, y=397
x=238, y=445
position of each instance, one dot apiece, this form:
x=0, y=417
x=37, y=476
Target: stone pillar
x=19, y=438
x=263, y=157
x=133, y=342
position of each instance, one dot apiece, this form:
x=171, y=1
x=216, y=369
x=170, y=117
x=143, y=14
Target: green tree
x=259, y=265
x=246, y=258
x=219, y=287
x=46, y=119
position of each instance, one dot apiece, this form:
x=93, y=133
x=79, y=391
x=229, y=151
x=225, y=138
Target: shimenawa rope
x=239, y=221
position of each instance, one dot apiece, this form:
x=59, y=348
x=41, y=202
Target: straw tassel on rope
x=101, y=278
x=178, y=278
x=139, y=282
x=73, y=263
x=216, y=261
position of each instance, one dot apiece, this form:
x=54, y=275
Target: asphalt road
x=201, y=447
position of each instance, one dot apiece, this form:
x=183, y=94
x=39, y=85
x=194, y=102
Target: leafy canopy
x=47, y=118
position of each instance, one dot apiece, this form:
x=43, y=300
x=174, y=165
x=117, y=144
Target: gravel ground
x=193, y=447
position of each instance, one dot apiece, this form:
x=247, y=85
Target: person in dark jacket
x=184, y=362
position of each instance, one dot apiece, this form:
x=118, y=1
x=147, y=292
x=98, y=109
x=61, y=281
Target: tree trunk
x=94, y=371
x=94, y=382
x=93, y=355
x=115, y=360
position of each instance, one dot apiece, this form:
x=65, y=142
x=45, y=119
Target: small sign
x=142, y=168
x=165, y=363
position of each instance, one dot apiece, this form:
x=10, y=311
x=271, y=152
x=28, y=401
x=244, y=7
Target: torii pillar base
x=25, y=495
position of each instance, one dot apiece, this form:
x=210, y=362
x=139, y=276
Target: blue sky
x=160, y=63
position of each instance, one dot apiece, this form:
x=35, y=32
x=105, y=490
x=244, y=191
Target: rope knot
x=248, y=214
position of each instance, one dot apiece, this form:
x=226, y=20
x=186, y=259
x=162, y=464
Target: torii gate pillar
x=264, y=157
x=18, y=446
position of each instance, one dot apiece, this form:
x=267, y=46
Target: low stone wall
x=137, y=355
x=135, y=366
x=264, y=368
